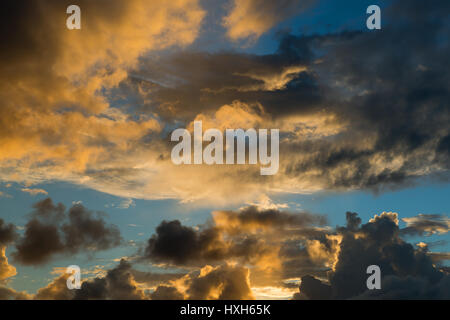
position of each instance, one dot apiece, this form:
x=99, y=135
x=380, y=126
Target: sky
x=86, y=176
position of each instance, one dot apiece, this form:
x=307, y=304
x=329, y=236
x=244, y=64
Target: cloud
x=223, y=282
x=406, y=272
x=342, y=124
x=428, y=224
x=51, y=231
x=11, y=294
x=6, y=270
x=125, y=204
x=117, y=284
x=245, y=235
x=100, y=120
x=7, y=235
x=252, y=252
x=55, y=290
x=58, y=122
x=252, y=18
x=166, y=293
x=34, y=192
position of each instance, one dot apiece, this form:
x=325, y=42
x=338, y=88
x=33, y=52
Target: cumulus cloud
x=245, y=235
x=7, y=235
x=253, y=253
x=6, y=270
x=222, y=282
x=118, y=283
x=51, y=231
x=11, y=294
x=406, y=272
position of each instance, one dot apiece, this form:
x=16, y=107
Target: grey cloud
x=407, y=273
x=51, y=231
x=427, y=224
x=117, y=284
x=7, y=233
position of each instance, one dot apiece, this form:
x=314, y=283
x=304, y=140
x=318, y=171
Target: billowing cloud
x=51, y=231
x=406, y=272
x=6, y=270
x=222, y=282
x=117, y=284
x=245, y=235
x=164, y=292
x=7, y=235
x=11, y=294
x=253, y=253
x=55, y=290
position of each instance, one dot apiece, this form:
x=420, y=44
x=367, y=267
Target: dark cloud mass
x=406, y=272
x=51, y=231
x=7, y=233
x=231, y=234
x=117, y=284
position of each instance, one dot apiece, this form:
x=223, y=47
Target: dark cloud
x=243, y=234
x=179, y=244
x=180, y=86
x=55, y=290
x=314, y=289
x=154, y=278
x=118, y=284
x=7, y=233
x=166, y=293
x=406, y=272
x=269, y=248
x=10, y=294
x=51, y=231
x=253, y=218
